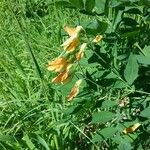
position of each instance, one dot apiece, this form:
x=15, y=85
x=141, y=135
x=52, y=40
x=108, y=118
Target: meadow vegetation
x=107, y=72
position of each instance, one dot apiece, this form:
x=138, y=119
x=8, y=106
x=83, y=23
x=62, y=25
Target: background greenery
x=116, y=89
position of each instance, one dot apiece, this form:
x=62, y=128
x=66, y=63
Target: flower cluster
x=62, y=65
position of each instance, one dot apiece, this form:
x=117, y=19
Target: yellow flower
x=80, y=54
x=71, y=43
x=63, y=77
x=131, y=128
x=97, y=38
x=72, y=31
x=74, y=90
x=59, y=64
x=69, y=30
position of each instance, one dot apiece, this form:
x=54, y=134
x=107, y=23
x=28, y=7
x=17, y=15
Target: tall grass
x=30, y=108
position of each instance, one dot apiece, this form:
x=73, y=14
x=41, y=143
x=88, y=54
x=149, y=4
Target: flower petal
x=131, y=128
x=80, y=54
x=97, y=38
x=69, y=30
x=72, y=31
x=58, y=64
x=63, y=77
x=71, y=43
x=74, y=90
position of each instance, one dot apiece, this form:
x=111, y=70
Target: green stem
x=84, y=135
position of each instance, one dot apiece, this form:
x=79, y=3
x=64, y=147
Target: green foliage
x=104, y=133
x=131, y=70
x=100, y=6
x=114, y=94
x=102, y=117
x=89, y=5
x=78, y=3
x=145, y=112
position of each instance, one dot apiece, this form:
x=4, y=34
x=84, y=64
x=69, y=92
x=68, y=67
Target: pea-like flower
x=72, y=31
x=80, y=54
x=131, y=128
x=63, y=77
x=97, y=38
x=74, y=90
x=58, y=65
x=72, y=42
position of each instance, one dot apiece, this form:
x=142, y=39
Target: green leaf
x=18, y=64
x=61, y=3
x=84, y=62
x=29, y=142
x=145, y=113
x=125, y=146
x=7, y=138
x=108, y=132
x=129, y=21
x=91, y=26
x=115, y=3
x=94, y=26
x=143, y=59
x=117, y=138
x=104, y=133
x=131, y=70
x=108, y=104
x=103, y=25
x=102, y=117
x=111, y=75
x=100, y=6
x=43, y=142
x=134, y=10
x=119, y=84
x=72, y=109
x=146, y=51
x=97, y=138
x=89, y=5
x=6, y=146
x=117, y=19
x=77, y=3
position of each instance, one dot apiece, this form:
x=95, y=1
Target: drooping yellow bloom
x=69, y=30
x=63, y=77
x=131, y=128
x=71, y=43
x=59, y=64
x=72, y=31
x=74, y=90
x=97, y=38
x=80, y=54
